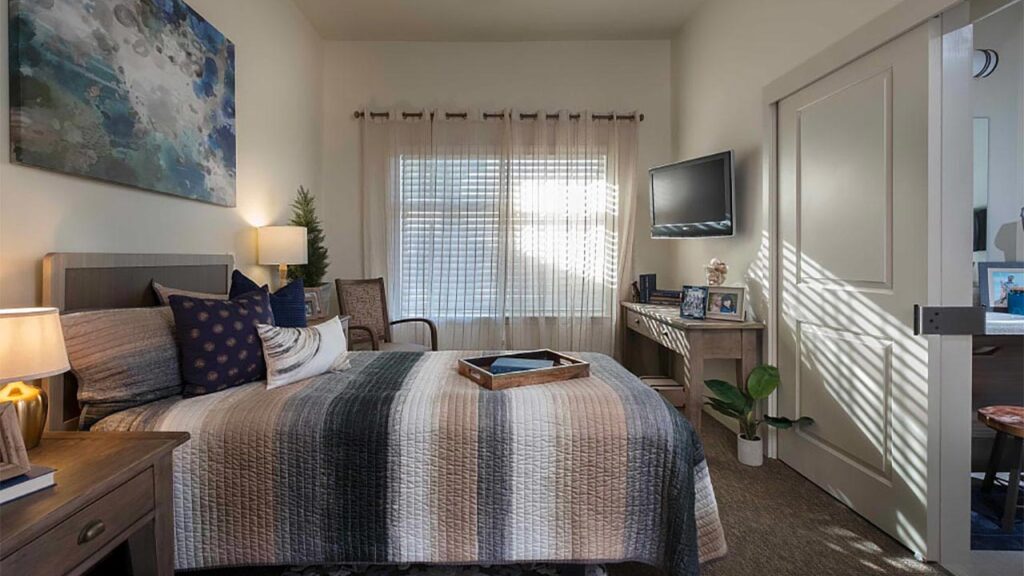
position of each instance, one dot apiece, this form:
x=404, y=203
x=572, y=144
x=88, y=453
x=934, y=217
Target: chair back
x=366, y=302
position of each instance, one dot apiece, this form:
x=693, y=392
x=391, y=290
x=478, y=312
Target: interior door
x=853, y=224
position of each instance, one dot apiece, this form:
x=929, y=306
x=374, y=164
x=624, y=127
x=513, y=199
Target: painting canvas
x=138, y=92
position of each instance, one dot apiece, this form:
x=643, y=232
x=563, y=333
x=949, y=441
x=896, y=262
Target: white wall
x=279, y=72
x=999, y=98
x=722, y=58
x=599, y=76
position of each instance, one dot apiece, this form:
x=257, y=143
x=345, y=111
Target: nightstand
x=112, y=488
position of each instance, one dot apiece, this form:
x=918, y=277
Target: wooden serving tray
x=565, y=368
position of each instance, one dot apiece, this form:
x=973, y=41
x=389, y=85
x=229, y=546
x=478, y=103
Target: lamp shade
x=281, y=244
x=31, y=344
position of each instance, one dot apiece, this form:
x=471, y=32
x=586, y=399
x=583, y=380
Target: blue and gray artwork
x=139, y=92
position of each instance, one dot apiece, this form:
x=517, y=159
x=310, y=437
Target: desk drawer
x=668, y=336
x=74, y=540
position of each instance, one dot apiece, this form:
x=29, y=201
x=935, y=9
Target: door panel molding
x=814, y=274
x=883, y=346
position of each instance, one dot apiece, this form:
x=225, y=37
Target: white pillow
x=294, y=354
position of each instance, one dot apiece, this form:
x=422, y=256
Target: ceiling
x=496, y=20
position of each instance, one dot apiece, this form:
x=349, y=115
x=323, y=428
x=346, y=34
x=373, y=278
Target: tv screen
x=693, y=198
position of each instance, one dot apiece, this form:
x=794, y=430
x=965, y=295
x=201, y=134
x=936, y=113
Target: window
x=486, y=237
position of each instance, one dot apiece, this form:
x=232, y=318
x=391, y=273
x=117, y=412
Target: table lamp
x=282, y=245
x=31, y=347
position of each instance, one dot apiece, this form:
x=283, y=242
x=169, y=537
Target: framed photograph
x=13, y=456
x=314, y=310
x=995, y=279
x=695, y=301
x=726, y=303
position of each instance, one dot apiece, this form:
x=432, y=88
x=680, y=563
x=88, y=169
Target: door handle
x=949, y=320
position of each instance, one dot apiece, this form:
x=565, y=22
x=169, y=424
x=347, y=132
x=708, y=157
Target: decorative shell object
x=716, y=271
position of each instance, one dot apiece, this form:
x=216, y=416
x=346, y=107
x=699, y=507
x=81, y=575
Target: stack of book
x=665, y=297
x=36, y=479
x=505, y=365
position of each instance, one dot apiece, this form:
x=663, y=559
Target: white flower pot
x=749, y=452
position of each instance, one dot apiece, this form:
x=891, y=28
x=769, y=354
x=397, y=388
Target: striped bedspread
x=401, y=460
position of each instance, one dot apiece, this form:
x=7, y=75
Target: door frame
x=902, y=18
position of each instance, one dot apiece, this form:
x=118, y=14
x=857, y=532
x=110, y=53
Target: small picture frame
x=995, y=279
x=13, y=456
x=312, y=303
x=694, y=302
x=726, y=303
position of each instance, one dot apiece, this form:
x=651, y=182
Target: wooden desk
x=112, y=488
x=693, y=340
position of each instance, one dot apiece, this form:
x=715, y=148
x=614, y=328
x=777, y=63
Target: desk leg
x=695, y=378
x=750, y=355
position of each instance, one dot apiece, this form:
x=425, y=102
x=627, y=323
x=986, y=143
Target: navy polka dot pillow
x=220, y=346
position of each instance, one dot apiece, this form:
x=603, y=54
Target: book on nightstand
x=36, y=479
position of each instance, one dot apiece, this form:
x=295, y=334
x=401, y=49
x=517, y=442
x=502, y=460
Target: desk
x=658, y=333
x=113, y=488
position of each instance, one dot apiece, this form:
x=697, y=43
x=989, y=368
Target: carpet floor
x=776, y=522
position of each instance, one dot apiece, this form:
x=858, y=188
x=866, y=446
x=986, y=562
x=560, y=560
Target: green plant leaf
x=762, y=381
x=731, y=395
x=723, y=407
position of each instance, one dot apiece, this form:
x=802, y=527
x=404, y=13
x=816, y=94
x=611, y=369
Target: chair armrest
x=430, y=324
x=374, y=344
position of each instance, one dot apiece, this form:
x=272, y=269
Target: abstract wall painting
x=137, y=92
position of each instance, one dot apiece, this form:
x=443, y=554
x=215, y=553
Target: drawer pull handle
x=91, y=531
x=664, y=332
x=636, y=320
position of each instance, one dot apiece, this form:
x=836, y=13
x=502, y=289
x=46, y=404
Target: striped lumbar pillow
x=294, y=354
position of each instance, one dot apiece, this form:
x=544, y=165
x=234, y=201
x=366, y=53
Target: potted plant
x=742, y=405
x=313, y=271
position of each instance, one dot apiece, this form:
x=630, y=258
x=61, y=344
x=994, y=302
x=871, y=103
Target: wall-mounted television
x=693, y=198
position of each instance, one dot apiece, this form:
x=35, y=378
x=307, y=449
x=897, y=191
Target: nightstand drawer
x=71, y=542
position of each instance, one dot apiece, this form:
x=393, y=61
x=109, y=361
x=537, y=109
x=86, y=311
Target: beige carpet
x=777, y=522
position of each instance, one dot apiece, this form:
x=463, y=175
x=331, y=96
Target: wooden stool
x=1008, y=422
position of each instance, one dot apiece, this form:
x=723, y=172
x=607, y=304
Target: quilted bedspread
x=401, y=460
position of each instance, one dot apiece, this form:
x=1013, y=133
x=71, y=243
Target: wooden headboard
x=76, y=282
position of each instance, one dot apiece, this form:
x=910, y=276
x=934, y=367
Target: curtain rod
x=450, y=115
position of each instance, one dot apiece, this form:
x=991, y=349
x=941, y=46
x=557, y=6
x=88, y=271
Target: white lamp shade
x=281, y=244
x=31, y=344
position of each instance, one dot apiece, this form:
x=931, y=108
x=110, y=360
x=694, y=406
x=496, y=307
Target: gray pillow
x=164, y=293
x=122, y=358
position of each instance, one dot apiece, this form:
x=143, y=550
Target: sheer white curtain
x=510, y=231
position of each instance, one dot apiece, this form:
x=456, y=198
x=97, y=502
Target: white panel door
x=853, y=224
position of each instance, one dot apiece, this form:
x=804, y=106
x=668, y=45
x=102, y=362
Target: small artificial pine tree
x=304, y=214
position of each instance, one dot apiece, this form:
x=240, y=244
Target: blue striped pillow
x=288, y=303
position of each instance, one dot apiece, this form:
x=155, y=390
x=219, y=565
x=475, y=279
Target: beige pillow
x=163, y=294
x=121, y=358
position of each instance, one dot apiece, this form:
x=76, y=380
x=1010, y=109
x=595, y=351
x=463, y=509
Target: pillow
x=220, y=347
x=294, y=354
x=163, y=293
x=122, y=358
x=288, y=303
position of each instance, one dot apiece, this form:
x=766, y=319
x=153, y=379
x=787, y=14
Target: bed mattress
x=401, y=460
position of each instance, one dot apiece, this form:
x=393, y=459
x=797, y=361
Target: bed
x=401, y=460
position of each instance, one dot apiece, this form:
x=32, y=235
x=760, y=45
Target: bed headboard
x=76, y=282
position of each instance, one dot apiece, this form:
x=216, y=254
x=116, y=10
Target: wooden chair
x=1008, y=423
x=367, y=303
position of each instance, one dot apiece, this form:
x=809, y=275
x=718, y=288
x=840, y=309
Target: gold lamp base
x=30, y=404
